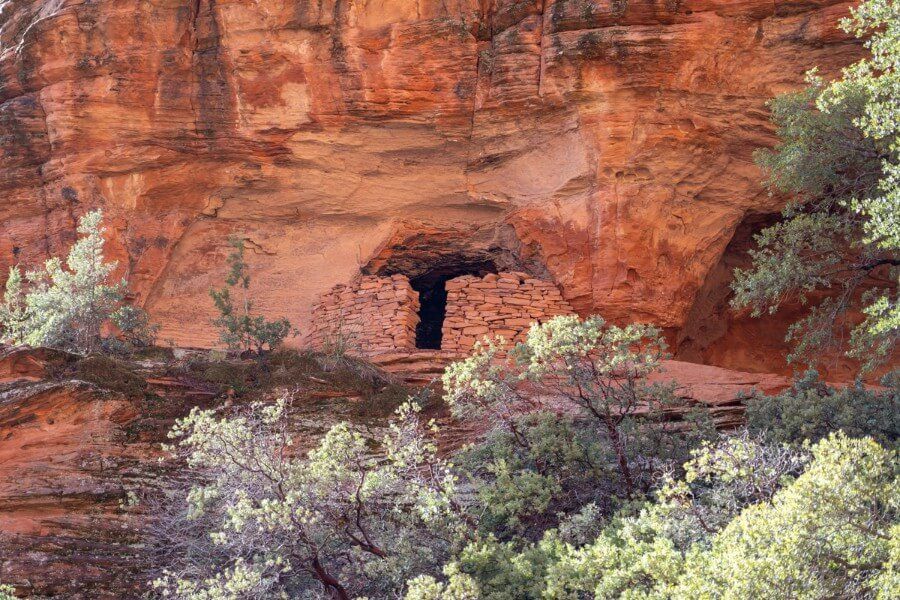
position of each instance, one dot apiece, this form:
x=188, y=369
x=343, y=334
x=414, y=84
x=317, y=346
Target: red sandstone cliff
x=605, y=143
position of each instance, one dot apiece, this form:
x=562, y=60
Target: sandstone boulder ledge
x=719, y=389
x=74, y=456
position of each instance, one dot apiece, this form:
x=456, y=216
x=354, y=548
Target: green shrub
x=825, y=526
x=524, y=485
x=261, y=520
x=810, y=410
x=596, y=372
x=110, y=374
x=831, y=533
x=238, y=328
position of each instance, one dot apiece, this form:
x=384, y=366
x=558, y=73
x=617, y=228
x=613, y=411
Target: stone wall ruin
x=374, y=315
x=497, y=304
x=379, y=315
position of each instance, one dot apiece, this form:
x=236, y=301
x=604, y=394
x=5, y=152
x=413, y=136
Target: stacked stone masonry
x=497, y=304
x=372, y=316
x=378, y=315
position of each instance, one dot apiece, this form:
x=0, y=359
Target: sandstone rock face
x=603, y=143
x=79, y=462
x=66, y=469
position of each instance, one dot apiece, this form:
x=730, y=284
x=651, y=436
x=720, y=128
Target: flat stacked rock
x=497, y=304
x=372, y=316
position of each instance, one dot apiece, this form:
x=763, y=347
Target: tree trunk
x=333, y=586
x=621, y=458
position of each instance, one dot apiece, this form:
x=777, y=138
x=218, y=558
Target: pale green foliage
x=595, y=372
x=13, y=309
x=880, y=119
x=882, y=321
x=827, y=535
x=875, y=339
x=261, y=521
x=839, y=155
x=646, y=554
x=135, y=328
x=886, y=584
x=489, y=569
x=811, y=409
x=68, y=306
x=822, y=154
x=831, y=532
x=505, y=571
x=239, y=329
x=458, y=586
x=625, y=561
x=6, y=592
x=579, y=528
x=720, y=481
x=525, y=482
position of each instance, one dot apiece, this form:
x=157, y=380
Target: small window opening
x=432, y=288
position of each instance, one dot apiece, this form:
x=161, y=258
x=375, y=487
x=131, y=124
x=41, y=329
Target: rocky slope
x=604, y=143
x=80, y=442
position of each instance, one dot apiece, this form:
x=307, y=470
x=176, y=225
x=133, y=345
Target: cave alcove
x=430, y=256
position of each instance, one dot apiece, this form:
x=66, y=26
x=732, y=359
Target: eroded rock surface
x=80, y=449
x=605, y=143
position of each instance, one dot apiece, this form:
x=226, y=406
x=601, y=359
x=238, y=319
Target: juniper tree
x=811, y=409
x=838, y=156
x=68, y=305
x=239, y=329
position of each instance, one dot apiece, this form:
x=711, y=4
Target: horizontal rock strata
x=608, y=141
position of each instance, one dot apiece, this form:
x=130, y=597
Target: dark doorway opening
x=432, y=310
x=432, y=288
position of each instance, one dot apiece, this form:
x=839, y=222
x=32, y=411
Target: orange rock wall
x=504, y=304
x=64, y=470
x=373, y=316
x=608, y=142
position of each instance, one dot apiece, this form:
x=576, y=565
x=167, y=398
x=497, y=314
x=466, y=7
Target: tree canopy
x=838, y=244
x=68, y=305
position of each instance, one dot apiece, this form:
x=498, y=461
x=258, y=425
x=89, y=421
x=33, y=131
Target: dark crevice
x=432, y=290
x=432, y=309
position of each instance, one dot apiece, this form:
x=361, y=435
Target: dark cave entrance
x=432, y=288
x=432, y=309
